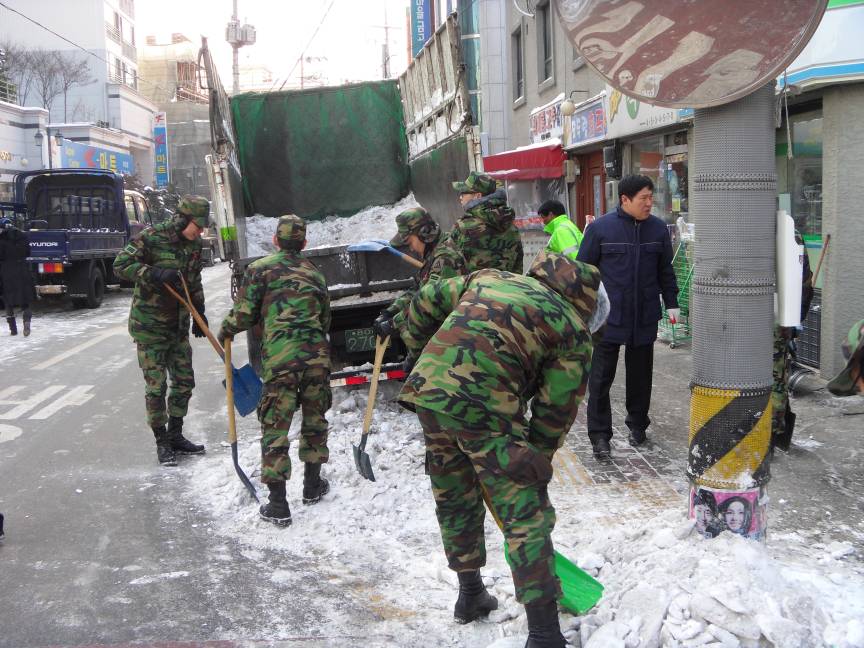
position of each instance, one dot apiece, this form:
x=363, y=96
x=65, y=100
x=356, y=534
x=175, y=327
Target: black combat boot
x=27, y=317
x=544, y=629
x=13, y=325
x=164, y=451
x=314, y=485
x=474, y=601
x=276, y=509
x=179, y=443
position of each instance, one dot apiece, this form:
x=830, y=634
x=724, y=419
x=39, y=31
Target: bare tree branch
x=72, y=70
x=18, y=69
x=46, y=76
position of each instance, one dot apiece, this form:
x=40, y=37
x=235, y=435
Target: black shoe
x=13, y=325
x=314, y=486
x=26, y=326
x=164, y=451
x=276, y=510
x=601, y=448
x=1, y=525
x=636, y=437
x=179, y=443
x=474, y=601
x=544, y=629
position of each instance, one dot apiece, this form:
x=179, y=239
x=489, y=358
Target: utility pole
x=385, y=50
x=237, y=37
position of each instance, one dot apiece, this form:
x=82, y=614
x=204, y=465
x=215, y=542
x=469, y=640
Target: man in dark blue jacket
x=633, y=251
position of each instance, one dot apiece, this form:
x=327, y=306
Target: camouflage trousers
x=780, y=387
x=309, y=390
x=464, y=463
x=158, y=362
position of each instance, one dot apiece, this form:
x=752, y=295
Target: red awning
x=530, y=163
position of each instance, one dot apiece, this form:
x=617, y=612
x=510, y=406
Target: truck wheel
x=95, y=288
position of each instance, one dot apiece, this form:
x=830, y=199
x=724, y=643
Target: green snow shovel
x=380, y=245
x=580, y=591
x=232, y=422
x=361, y=458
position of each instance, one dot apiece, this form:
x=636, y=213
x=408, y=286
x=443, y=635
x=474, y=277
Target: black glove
x=408, y=363
x=164, y=276
x=383, y=325
x=197, y=331
x=222, y=337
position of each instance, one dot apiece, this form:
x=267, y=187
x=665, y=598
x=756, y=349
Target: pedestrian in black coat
x=17, y=281
x=633, y=251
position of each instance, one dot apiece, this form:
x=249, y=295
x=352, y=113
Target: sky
x=351, y=36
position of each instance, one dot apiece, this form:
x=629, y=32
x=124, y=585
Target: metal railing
x=113, y=33
x=130, y=51
x=8, y=92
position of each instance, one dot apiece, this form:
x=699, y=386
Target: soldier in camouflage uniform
x=499, y=340
x=287, y=295
x=422, y=234
x=159, y=324
x=782, y=416
x=485, y=235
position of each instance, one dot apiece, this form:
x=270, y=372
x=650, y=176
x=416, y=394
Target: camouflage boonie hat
x=195, y=208
x=850, y=381
x=291, y=229
x=477, y=183
x=411, y=221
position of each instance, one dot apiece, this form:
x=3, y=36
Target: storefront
x=534, y=174
x=19, y=150
x=654, y=142
x=584, y=135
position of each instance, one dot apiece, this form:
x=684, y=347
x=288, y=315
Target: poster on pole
x=421, y=24
x=160, y=139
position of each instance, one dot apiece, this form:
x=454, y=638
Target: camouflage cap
x=850, y=381
x=291, y=229
x=477, y=183
x=412, y=221
x=577, y=282
x=195, y=208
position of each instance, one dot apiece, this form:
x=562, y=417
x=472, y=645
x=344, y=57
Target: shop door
x=592, y=195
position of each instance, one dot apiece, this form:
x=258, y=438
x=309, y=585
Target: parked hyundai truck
x=334, y=151
x=77, y=221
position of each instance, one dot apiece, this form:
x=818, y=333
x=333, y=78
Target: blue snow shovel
x=380, y=245
x=247, y=384
x=232, y=423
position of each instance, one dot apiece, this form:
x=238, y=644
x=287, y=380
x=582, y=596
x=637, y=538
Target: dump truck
x=333, y=151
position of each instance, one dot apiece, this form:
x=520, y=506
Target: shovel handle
x=405, y=257
x=196, y=316
x=380, y=348
x=821, y=258
x=229, y=393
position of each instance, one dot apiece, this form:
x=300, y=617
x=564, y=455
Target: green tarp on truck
x=322, y=151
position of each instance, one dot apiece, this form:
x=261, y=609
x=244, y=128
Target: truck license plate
x=357, y=340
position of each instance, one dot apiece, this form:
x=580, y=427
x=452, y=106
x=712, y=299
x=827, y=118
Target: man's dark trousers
x=639, y=365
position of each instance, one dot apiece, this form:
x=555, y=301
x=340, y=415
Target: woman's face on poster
x=734, y=517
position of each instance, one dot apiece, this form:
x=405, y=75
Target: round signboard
x=689, y=53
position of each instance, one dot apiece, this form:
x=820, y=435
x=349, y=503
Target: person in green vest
x=565, y=236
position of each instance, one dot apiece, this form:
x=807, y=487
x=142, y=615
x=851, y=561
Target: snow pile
x=668, y=586
x=373, y=222
x=664, y=584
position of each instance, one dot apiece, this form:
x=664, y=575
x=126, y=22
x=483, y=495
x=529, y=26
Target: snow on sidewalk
x=665, y=584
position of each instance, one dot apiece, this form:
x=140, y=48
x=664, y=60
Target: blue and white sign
x=74, y=155
x=160, y=140
x=421, y=24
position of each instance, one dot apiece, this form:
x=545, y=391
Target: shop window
x=799, y=177
x=664, y=159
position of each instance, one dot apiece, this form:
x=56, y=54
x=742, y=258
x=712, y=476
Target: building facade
x=820, y=141
x=172, y=72
x=109, y=98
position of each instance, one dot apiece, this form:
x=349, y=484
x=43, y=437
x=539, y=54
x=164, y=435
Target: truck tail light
x=50, y=268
